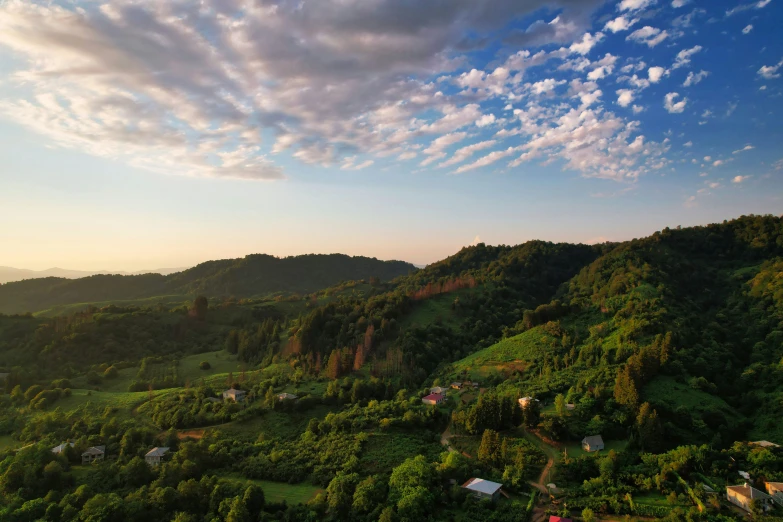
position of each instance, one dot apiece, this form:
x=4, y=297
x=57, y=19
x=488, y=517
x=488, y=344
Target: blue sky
x=151, y=133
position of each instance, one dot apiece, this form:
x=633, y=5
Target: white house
x=593, y=443
x=59, y=449
x=743, y=496
x=524, y=401
x=235, y=395
x=94, y=454
x=286, y=397
x=775, y=489
x=438, y=389
x=481, y=488
x=156, y=455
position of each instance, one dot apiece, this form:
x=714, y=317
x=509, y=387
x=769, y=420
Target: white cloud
x=625, y=97
x=545, y=86
x=476, y=241
x=680, y=3
x=744, y=7
x=637, y=109
x=743, y=149
x=655, y=73
x=634, y=5
x=487, y=119
x=651, y=36
x=769, y=72
x=707, y=158
x=684, y=57
x=718, y=163
x=672, y=106
x=748, y=28
x=587, y=42
x=348, y=164
x=688, y=144
x=489, y=159
x=694, y=78
x=465, y=152
x=621, y=23
x=732, y=108
x=740, y=179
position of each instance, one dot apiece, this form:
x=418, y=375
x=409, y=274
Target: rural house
x=94, y=454
x=764, y=444
x=554, y=518
x=593, y=443
x=59, y=449
x=743, y=496
x=286, y=397
x=524, y=401
x=234, y=395
x=481, y=488
x=433, y=399
x=570, y=406
x=156, y=455
x=775, y=489
x=456, y=385
x=438, y=389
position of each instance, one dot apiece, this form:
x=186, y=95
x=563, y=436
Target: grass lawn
x=125, y=402
x=514, y=353
x=6, y=442
x=273, y=424
x=278, y=491
x=667, y=392
x=653, y=498
x=428, y=311
x=575, y=448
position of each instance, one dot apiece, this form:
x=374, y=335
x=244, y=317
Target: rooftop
x=748, y=492
x=157, y=452
x=593, y=440
x=482, y=486
x=433, y=397
x=95, y=450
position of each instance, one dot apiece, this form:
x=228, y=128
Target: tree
x=340, y=491
x=490, y=449
x=649, y=427
x=103, y=508
x=238, y=511
x=199, y=308
x=369, y=494
x=270, y=398
x=204, y=365
x=560, y=404
x=625, y=390
x=110, y=373
x=531, y=414
x=588, y=515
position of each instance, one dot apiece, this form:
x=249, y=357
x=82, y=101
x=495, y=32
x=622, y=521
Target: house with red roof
x=434, y=398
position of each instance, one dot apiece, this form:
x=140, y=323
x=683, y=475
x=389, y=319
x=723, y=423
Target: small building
x=593, y=443
x=743, y=497
x=481, y=488
x=156, y=455
x=764, y=444
x=775, y=489
x=286, y=397
x=433, y=399
x=554, y=518
x=59, y=449
x=456, y=385
x=94, y=454
x=438, y=389
x=524, y=401
x=570, y=406
x=234, y=395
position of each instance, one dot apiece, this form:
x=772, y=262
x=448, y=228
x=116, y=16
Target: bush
x=205, y=365
x=93, y=378
x=110, y=373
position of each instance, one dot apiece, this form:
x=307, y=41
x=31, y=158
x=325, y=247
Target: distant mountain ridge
x=10, y=274
x=253, y=275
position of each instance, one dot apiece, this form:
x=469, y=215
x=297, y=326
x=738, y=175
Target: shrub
x=205, y=365
x=110, y=373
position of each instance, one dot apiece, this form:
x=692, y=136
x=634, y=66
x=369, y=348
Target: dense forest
x=669, y=347
x=253, y=275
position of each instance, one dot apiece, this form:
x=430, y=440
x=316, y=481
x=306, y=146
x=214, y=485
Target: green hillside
x=252, y=276
x=670, y=347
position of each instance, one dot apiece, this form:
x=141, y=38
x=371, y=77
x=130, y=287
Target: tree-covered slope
x=253, y=275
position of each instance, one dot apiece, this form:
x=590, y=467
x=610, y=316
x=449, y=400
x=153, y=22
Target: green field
x=124, y=402
x=667, y=392
x=385, y=450
x=273, y=424
x=514, y=353
x=434, y=309
x=7, y=442
x=278, y=491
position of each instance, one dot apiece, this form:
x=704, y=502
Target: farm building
x=438, y=389
x=524, y=401
x=593, y=443
x=156, y=455
x=775, y=489
x=59, y=449
x=764, y=444
x=94, y=454
x=234, y=395
x=481, y=488
x=433, y=399
x=456, y=385
x=743, y=496
x=570, y=406
x=286, y=397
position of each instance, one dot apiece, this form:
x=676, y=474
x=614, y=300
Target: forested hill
x=253, y=275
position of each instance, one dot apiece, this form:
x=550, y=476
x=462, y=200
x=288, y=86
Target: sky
x=141, y=134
